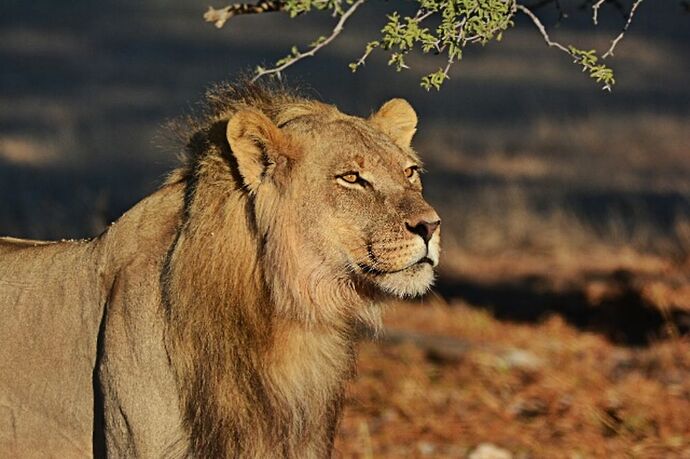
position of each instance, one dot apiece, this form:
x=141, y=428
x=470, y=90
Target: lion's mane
x=222, y=321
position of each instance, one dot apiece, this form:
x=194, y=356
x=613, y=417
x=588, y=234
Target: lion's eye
x=353, y=178
x=411, y=171
x=350, y=178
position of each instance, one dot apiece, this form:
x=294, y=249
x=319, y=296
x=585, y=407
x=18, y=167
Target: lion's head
x=338, y=198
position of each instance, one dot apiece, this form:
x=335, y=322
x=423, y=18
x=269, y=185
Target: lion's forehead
x=354, y=142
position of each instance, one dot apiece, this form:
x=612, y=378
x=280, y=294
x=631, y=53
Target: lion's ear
x=398, y=119
x=257, y=144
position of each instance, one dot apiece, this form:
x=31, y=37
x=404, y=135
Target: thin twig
x=221, y=15
x=363, y=58
x=461, y=40
x=419, y=16
x=299, y=56
x=540, y=26
x=585, y=58
x=446, y=69
x=595, y=11
x=625, y=29
x=615, y=3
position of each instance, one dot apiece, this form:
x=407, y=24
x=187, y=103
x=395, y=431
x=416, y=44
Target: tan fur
x=223, y=310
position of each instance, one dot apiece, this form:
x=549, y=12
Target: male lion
x=218, y=317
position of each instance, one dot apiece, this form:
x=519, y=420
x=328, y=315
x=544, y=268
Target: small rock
x=490, y=451
x=426, y=448
x=522, y=360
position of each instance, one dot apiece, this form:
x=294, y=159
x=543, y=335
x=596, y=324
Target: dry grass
x=538, y=390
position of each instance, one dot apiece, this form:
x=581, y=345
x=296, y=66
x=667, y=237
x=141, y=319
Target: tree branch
x=538, y=24
x=595, y=11
x=615, y=3
x=220, y=16
x=625, y=29
x=459, y=27
x=587, y=59
x=298, y=56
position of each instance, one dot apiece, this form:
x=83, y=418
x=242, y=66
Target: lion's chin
x=414, y=281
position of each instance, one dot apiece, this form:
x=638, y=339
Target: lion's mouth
x=378, y=272
x=426, y=260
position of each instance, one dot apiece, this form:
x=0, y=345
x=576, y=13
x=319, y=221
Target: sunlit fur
x=239, y=288
x=277, y=262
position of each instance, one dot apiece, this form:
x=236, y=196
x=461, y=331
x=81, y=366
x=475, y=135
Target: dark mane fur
x=220, y=102
x=221, y=322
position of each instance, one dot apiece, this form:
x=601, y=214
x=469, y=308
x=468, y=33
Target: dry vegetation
x=544, y=389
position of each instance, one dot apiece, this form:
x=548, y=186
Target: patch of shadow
x=63, y=202
x=624, y=316
x=99, y=443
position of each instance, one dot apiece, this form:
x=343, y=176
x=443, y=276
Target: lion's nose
x=423, y=228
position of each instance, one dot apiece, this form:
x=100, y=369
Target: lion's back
x=49, y=315
x=53, y=327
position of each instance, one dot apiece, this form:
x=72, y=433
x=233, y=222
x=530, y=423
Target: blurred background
x=558, y=326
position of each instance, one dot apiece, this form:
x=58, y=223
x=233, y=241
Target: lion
x=219, y=316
